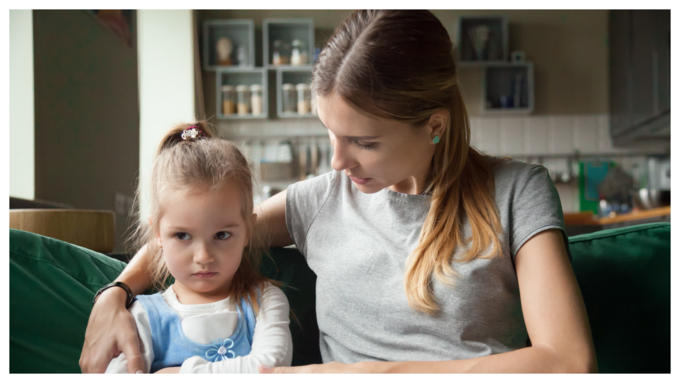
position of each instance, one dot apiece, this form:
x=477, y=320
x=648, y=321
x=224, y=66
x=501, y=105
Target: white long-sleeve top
x=203, y=323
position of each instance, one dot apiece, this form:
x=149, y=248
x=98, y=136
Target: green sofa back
x=624, y=275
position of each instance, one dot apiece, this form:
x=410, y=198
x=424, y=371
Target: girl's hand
x=326, y=368
x=168, y=370
x=111, y=330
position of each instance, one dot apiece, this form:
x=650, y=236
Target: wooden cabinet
x=639, y=75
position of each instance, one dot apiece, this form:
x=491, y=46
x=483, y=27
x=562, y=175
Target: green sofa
x=624, y=275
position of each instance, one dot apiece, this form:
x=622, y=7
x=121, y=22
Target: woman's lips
x=205, y=275
x=360, y=181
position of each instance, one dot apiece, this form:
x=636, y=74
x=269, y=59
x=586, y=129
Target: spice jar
x=279, y=53
x=304, y=98
x=289, y=98
x=314, y=103
x=243, y=97
x=256, y=99
x=228, y=100
x=299, y=54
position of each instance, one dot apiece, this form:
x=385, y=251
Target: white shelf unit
x=504, y=84
x=494, y=51
x=286, y=30
x=242, y=77
x=241, y=32
x=291, y=75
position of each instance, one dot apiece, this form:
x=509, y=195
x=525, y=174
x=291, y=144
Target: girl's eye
x=222, y=235
x=183, y=236
x=364, y=146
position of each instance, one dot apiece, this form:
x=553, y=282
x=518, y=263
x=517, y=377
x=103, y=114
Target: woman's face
x=377, y=154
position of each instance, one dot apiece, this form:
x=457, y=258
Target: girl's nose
x=203, y=255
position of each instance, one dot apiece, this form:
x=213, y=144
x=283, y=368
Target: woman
x=430, y=257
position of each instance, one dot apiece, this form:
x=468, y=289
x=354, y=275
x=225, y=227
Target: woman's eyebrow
x=356, y=137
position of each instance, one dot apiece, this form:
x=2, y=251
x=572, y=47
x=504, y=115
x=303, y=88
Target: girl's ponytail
x=174, y=135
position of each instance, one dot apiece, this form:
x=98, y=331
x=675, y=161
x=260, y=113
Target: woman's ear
x=438, y=123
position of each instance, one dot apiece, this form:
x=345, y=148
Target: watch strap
x=128, y=292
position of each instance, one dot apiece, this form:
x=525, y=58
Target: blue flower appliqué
x=221, y=350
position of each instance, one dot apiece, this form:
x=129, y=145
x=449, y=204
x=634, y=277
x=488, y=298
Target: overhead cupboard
x=243, y=89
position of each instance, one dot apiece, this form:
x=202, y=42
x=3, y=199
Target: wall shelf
x=482, y=40
x=241, y=33
x=247, y=77
x=294, y=76
x=504, y=85
x=286, y=30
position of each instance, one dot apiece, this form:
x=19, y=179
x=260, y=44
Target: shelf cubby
x=286, y=30
x=294, y=76
x=508, y=88
x=247, y=77
x=493, y=50
x=241, y=32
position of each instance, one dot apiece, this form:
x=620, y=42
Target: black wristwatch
x=128, y=300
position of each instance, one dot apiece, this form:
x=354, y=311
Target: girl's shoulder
x=509, y=172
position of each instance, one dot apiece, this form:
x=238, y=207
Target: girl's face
x=377, y=154
x=202, y=234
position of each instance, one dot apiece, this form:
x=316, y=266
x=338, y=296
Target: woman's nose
x=342, y=158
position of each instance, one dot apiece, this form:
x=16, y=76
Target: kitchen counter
x=587, y=222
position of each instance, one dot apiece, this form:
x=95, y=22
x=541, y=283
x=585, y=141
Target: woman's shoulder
x=511, y=172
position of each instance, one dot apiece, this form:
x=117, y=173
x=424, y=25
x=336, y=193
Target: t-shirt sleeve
x=304, y=201
x=536, y=207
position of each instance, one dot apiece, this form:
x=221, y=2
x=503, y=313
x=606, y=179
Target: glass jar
x=314, y=103
x=228, y=100
x=279, y=53
x=256, y=99
x=289, y=98
x=243, y=100
x=304, y=98
x=299, y=53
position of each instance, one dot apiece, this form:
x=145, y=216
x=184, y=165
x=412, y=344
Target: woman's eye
x=222, y=235
x=182, y=236
x=364, y=146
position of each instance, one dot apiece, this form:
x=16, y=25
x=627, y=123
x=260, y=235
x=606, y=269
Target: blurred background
x=584, y=93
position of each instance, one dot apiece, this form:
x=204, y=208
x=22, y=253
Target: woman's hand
x=111, y=330
x=326, y=368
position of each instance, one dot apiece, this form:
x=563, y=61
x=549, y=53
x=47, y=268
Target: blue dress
x=171, y=347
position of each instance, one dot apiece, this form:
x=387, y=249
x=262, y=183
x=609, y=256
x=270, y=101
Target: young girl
x=219, y=315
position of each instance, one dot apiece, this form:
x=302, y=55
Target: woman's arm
x=554, y=314
x=272, y=342
x=111, y=328
x=271, y=220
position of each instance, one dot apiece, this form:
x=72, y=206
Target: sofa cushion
x=52, y=284
x=625, y=279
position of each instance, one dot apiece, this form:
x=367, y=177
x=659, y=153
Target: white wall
x=166, y=82
x=21, y=105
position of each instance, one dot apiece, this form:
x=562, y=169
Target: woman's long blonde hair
x=399, y=66
x=207, y=162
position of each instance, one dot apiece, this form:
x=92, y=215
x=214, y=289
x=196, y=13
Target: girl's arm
x=119, y=364
x=272, y=342
x=554, y=314
x=111, y=328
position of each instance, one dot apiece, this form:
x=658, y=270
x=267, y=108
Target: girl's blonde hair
x=399, y=66
x=206, y=162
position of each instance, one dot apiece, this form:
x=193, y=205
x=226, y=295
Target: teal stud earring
x=435, y=140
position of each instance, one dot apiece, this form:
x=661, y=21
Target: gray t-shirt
x=357, y=245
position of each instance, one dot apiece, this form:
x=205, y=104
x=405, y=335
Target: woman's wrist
x=113, y=296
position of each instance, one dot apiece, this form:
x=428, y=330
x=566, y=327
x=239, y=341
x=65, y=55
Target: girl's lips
x=360, y=181
x=205, y=275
